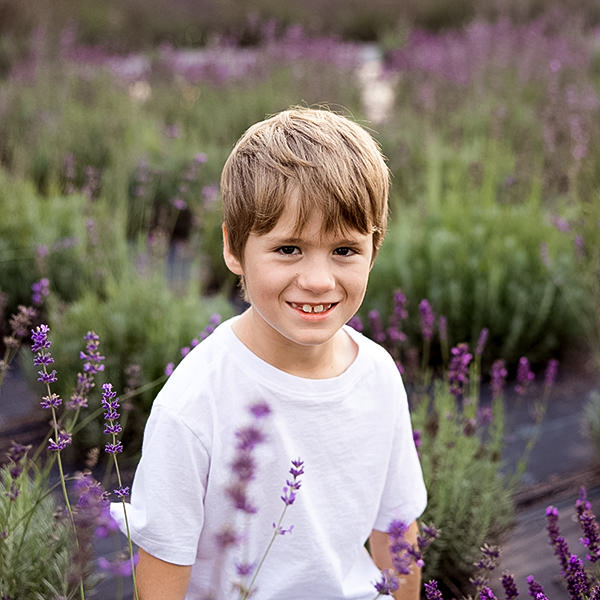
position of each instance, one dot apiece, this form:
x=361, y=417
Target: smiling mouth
x=312, y=308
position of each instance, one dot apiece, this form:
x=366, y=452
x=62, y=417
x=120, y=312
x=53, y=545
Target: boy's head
x=325, y=161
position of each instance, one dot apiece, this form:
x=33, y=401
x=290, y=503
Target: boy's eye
x=288, y=250
x=344, y=251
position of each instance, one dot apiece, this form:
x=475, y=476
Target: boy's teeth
x=307, y=308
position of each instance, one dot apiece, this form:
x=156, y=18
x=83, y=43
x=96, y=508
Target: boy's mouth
x=312, y=308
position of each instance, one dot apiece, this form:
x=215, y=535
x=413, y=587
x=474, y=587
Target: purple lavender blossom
x=399, y=314
x=550, y=374
x=169, y=369
x=376, y=327
x=577, y=580
x=118, y=568
x=260, y=410
x=40, y=290
x=64, y=439
x=356, y=323
x=458, y=371
x=291, y=489
x=432, y=591
x=486, y=594
x=110, y=403
x=92, y=364
x=510, y=587
x=16, y=458
x=589, y=526
x=524, y=376
x=498, y=374
x=39, y=335
x=558, y=542
x=483, y=336
x=427, y=319
x=387, y=584
x=535, y=589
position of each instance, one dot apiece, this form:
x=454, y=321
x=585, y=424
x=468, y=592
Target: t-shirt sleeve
x=404, y=496
x=166, y=512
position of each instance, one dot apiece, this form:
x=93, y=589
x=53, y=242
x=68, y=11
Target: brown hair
x=332, y=163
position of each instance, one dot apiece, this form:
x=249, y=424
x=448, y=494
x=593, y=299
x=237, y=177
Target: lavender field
x=486, y=290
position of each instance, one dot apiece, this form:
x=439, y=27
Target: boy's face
x=303, y=287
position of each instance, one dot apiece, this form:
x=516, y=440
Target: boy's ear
x=232, y=262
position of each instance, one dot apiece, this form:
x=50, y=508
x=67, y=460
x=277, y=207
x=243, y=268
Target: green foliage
x=58, y=237
x=37, y=551
x=480, y=263
x=469, y=499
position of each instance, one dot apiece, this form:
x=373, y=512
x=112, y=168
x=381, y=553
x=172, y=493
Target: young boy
x=305, y=209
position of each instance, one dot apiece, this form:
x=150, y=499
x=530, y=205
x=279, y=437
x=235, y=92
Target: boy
x=305, y=210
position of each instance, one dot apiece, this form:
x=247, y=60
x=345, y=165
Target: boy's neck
x=313, y=362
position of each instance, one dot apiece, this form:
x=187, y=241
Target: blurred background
x=116, y=118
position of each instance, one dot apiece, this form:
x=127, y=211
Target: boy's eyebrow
x=291, y=240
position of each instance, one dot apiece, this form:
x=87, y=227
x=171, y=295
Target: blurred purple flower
x=486, y=594
x=356, y=323
x=432, y=591
x=427, y=319
x=399, y=314
x=387, y=584
x=120, y=568
x=550, y=374
x=535, y=589
x=498, y=374
x=483, y=336
x=40, y=290
x=169, y=369
x=524, y=376
x=561, y=224
x=291, y=489
x=375, y=326
x=510, y=587
x=589, y=525
x=458, y=371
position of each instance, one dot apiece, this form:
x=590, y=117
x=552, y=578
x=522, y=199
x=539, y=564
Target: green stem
x=246, y=593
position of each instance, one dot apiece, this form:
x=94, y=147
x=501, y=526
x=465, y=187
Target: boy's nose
x=316, y=276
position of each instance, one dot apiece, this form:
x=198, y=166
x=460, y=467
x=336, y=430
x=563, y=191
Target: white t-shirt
x=352, y=431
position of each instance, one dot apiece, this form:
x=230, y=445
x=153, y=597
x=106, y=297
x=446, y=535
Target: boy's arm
x=379, y=544
x=160, y=580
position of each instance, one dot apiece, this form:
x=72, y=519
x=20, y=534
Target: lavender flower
x=458, y=372
x=498, y=374
x=40, y=290
x=524, y=376
x=550, y=374
x=356, y=323
x=561, y=549
x=16, y=458
x=510, y=587
x=399, y=314
x=388, y=583
x=292, y=487
x=376, y=327
x=536, y=591
x=589, y=526
x=92, y=364
x=118, y=568
x=487, y=594
x=432, y=592
x=483, y=336
x=427, y=319
x=577, y=581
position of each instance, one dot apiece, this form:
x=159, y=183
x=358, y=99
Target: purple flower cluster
x=550, y=374
x=356, y=323
x=39, y=291
x=41, y=343
x=376, y=326
x=458, y=371
x=91, y=366
x=243, y=466
x=399, y=314
x=498, y=377
x=427, y=317
x=589, y=526
x=291, y=489
x=524, y=376
x=510, y=587
x=387, y=584
x=19, y=324
x=432, y=591
x=16, y=459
